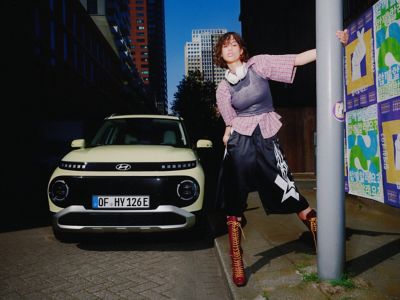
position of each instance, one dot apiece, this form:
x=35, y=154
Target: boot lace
x=313, y=224
x=313, y=229
x=236, y=251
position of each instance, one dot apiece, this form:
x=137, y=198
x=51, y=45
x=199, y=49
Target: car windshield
x=141, y=131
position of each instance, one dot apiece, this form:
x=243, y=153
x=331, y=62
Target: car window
x=141, y=131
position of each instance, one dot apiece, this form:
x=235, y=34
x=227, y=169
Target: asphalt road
x=34, y=265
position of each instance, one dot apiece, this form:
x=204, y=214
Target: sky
x=181, y=17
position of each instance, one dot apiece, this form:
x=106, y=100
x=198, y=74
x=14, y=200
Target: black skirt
x=252, y=163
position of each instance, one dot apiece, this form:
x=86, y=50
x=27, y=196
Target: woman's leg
x=303, y=214
x=276, y=186
x=309, y=217
x=237, y=184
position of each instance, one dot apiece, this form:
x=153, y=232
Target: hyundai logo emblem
x=123, y=167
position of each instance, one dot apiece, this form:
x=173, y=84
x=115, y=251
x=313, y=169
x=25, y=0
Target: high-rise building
x=199, y=54
x=112, y=18
x=61, y=81
x=147, y=34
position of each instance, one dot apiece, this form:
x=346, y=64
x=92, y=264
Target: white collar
x=241, y=72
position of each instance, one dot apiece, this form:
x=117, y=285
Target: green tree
x=195, y=102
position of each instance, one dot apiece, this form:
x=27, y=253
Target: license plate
x=120, y=201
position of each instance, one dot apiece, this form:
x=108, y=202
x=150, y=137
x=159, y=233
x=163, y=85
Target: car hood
x=131, y=153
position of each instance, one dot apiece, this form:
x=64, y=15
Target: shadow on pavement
x=354, y=266
x=302, y=245
x=367, y=261
x=351, y=231
x=158, y=241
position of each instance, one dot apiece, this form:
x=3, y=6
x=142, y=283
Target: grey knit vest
x=251, y=95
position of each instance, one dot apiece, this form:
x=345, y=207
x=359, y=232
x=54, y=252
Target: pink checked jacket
x=272, y=67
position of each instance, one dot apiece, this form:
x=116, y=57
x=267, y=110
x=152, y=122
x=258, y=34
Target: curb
x=224, y=268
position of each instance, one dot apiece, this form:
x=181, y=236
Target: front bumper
x=77, y=218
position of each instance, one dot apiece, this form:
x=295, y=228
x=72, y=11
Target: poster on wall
x=389, y=128
x=387, y=45
x=359, y=63
x=346, y=176
x=363, y=153
x=372, y=103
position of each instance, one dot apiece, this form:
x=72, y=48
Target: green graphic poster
x=363, y=154
x=387, y=44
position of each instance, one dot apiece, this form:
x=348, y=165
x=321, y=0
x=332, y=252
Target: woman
x=255, y=158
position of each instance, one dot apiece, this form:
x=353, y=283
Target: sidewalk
x=278, y=252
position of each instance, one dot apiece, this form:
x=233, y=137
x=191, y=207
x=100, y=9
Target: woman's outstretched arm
x=311, y=55
x=305, y=57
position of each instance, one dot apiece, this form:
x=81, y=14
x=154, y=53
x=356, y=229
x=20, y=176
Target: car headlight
x=58, y=190
x=187, y=190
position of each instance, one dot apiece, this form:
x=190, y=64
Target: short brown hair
x=218, y=60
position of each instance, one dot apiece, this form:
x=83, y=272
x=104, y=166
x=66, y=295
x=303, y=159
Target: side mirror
x=204, y=144
x=79, y=143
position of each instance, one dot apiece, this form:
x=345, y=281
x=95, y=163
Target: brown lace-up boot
x=234, y=228
x=311, y=223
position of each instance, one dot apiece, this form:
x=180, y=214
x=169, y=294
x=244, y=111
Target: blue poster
x=389, y=128
x=359, y=63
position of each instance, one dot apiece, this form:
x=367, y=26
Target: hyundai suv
x=138, y=173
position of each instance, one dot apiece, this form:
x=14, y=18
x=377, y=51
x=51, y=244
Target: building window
x=139, y=8
x=139, y=21
x=140, y=40
x=91, y=72
x=75, y=56
x=37, y=23
x=92, y=7
x=65, y=47
x=64, y=14
x=74, y=23
x=140, y=27
x=52, y=35
x=84, y=66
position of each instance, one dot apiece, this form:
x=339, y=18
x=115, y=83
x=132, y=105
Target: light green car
x=139, y=173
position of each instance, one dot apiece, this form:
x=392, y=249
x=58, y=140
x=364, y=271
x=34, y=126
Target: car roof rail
x=175, y=115
x=112, y=115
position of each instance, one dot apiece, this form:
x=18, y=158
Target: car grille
x=121, y=219
x=161, y=189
